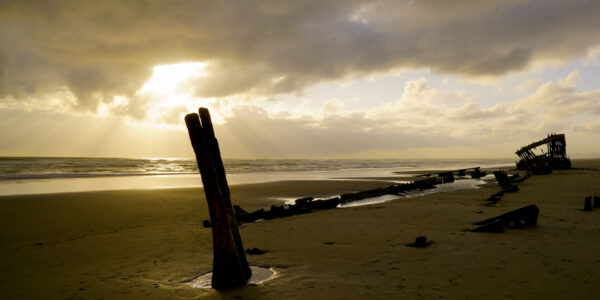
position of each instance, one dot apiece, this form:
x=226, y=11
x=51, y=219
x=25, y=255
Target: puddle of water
x=292, y=200
x=459, y=184
x=367, y=201
x=259, y=275
x=440, y=188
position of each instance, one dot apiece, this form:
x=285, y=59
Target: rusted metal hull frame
x=555, y=157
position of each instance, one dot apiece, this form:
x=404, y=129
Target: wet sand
x=147, y=243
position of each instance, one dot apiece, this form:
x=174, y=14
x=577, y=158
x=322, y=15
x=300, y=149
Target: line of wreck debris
x=310, y=204
x=544, y=163
x=554, y=159
x=517, y=219
x=508, y=184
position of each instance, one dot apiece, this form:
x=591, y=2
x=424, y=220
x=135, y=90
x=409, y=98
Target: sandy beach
x=147, y=244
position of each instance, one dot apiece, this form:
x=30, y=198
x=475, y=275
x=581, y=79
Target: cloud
x=420, y=108
x=422, y=117
x=97, y=50
x=592, y=127
x=553, y=107
x=560, y=100
x=431, y=112
x=332, y=106
x=473, y=111
x=261, y=135
x=458, y=127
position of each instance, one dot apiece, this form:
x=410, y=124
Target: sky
x=299, y=79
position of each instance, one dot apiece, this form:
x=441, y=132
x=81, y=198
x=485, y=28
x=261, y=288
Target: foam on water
x=39, y=175
x=19, y=168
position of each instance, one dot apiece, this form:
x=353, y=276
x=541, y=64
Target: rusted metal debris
x=309, y=204
x=230, y=267
x=554, y=159
x=518, y=218
x=508, y=185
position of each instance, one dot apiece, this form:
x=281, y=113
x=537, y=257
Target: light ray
x=167, y=79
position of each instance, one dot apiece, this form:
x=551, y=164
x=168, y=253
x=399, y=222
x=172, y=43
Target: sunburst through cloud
x=353, y=146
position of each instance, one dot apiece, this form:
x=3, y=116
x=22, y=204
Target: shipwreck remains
x=555, y=158
x=230, y=267
x=448, y=176
x=310, y=204
x=519, y=218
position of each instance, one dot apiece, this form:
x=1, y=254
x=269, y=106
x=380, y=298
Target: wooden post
x=230, y=267
x=587, y=204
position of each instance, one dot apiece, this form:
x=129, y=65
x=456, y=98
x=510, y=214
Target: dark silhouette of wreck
x=554, y=159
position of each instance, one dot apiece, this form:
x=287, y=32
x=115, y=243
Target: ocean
x=32, y=175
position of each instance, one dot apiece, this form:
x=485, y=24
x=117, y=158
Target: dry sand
x=145, y=244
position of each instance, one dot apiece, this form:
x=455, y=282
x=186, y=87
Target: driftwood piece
x=230, y=267
x=527, y=215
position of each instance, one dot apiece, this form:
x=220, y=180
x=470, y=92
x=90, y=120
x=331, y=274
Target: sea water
x=35, y=175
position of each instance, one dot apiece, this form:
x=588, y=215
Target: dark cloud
x=99, y=49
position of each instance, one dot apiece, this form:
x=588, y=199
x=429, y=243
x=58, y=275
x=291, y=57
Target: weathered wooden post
x=587, y=204
x=230, y=267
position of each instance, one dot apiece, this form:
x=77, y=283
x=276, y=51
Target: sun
x=167, y=79
x=169, y=91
